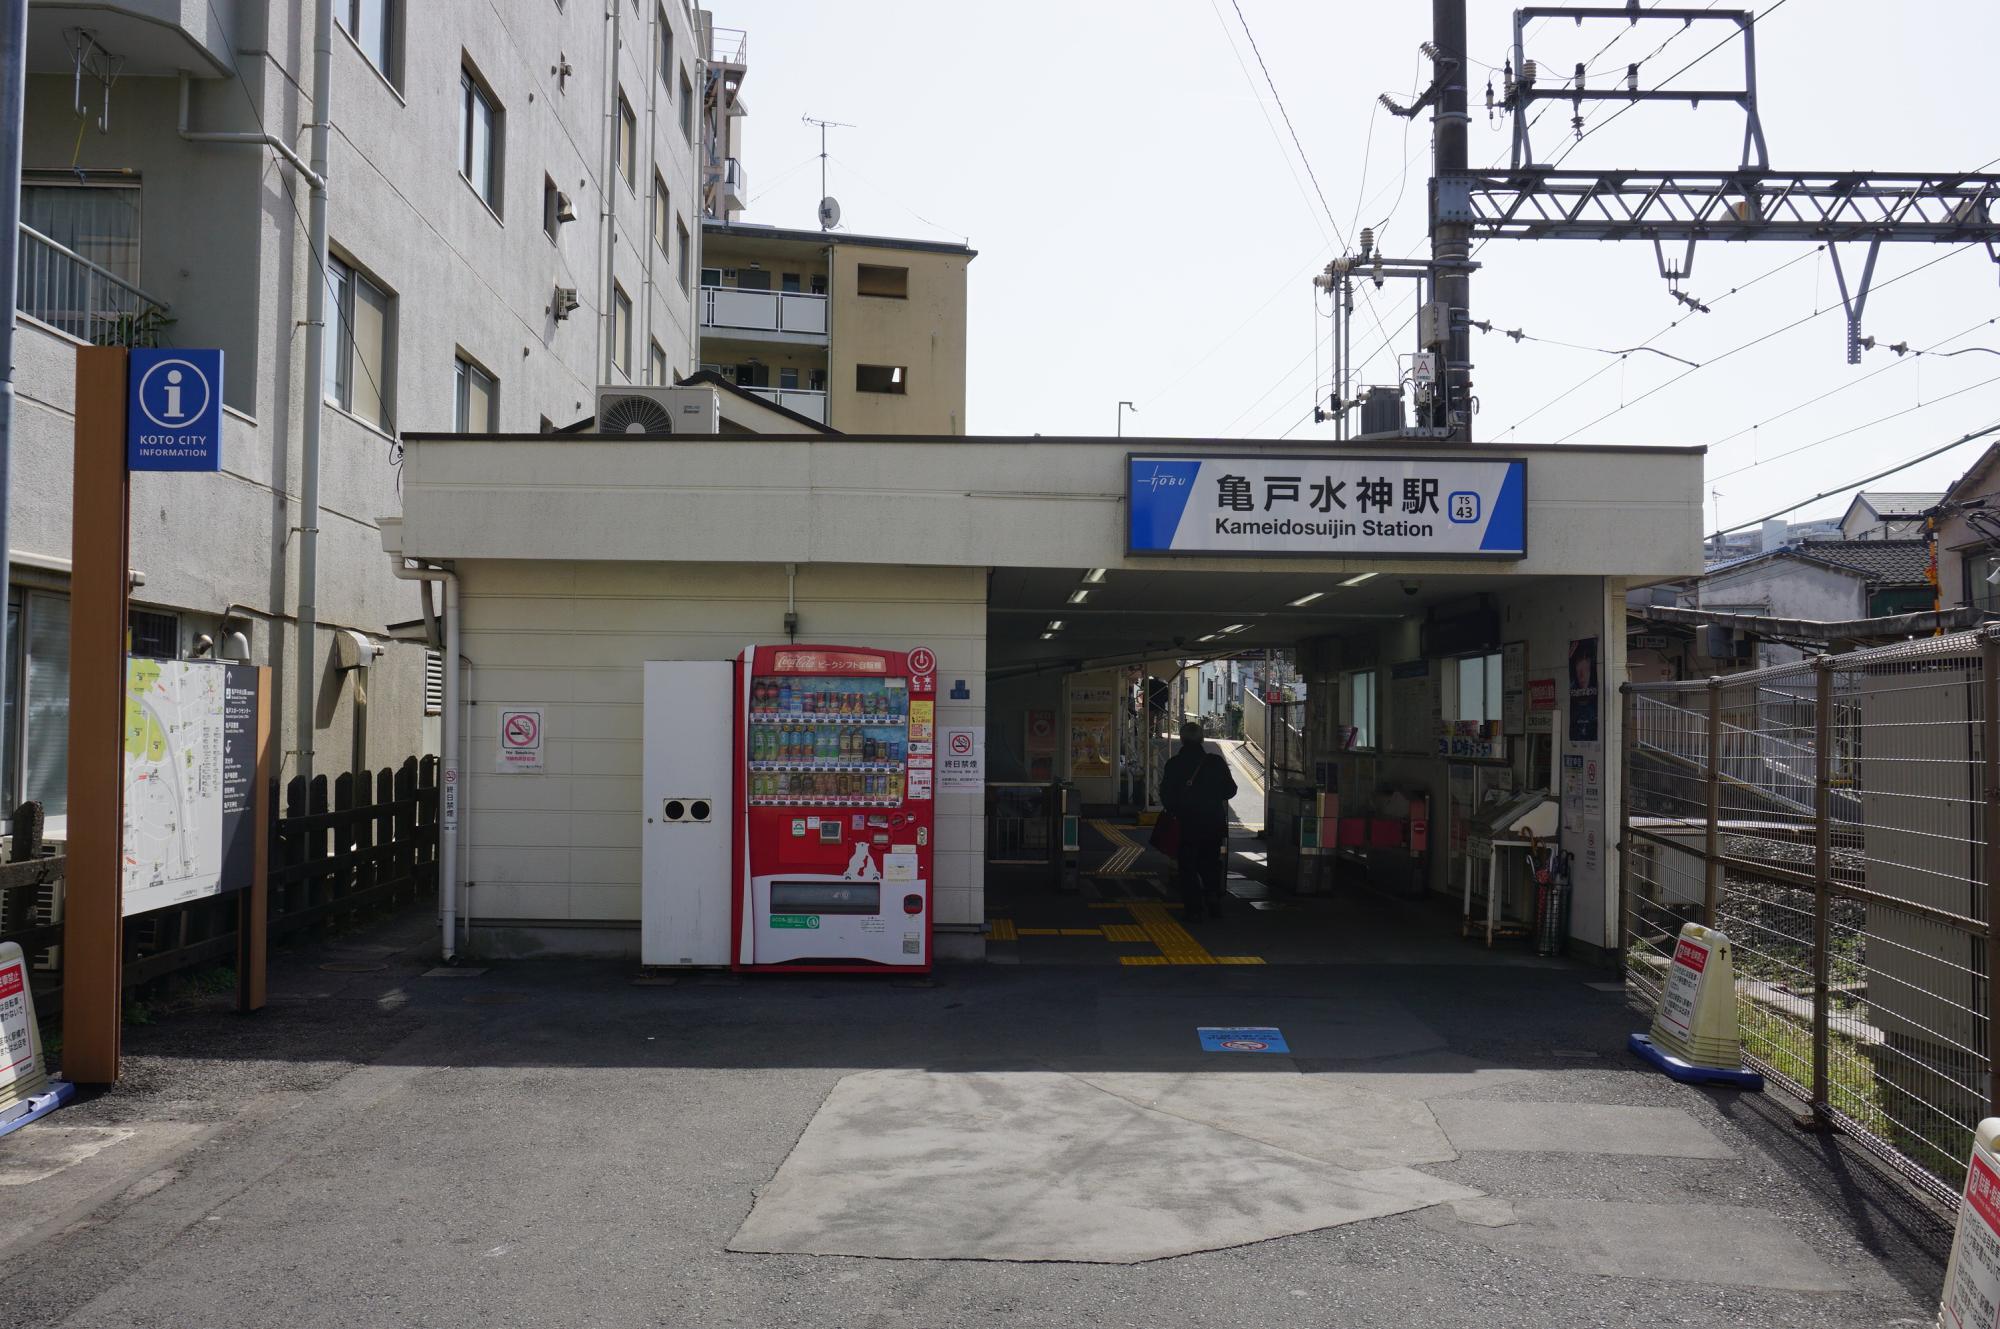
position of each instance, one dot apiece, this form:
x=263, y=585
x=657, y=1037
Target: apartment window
x=475, y=404
x=880, y=378
x=789, y=283
x=372, y=25
x=661, y=212
x=153, y=634
x=628, y=142
x=819, y=283
x=98, y=220
x=551, y=208
x=1358, y=694
x=479, y=138
x=621, y=330
x=687, y=108
x=888, y=283
x=656, y=366
x=358, y=353
x=1472, y=688
x=37, y=754
x=816, y=380
x=681, y=258
x=666, y=52
x=788, y=378
x=711, y=276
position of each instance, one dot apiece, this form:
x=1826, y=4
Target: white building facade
x=513, y=220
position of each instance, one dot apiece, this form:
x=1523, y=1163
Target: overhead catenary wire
x=1855, y=429
x=1958, y=442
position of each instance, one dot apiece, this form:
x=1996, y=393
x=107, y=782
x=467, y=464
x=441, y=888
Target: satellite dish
x=829, y=213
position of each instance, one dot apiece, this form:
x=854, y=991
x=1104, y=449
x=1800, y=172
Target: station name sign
x=1388, y=507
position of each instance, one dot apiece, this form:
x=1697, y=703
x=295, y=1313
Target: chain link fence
x=1832, y=817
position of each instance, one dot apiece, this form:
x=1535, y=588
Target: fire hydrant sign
x=521, y=740
x=961, y=760
x=1972, y=1279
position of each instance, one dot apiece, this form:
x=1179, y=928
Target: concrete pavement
x=548, y=1143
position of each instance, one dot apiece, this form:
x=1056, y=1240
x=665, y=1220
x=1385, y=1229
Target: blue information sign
x=1242, y=1040
x=173, y=410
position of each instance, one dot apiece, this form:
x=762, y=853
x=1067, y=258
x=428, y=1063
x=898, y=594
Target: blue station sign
x=1326, y=506
x=173, y=410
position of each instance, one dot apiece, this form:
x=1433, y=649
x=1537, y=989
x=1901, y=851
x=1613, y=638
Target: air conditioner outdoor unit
x=648, y=410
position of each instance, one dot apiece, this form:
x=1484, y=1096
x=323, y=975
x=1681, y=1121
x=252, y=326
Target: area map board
x=190, y=757
x=1445, y=506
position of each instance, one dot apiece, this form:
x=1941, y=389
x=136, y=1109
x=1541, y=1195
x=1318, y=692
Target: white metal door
x=689, y=813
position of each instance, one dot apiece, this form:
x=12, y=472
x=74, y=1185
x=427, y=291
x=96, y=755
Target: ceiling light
x=1210, y=637
x=1094, y=576
x=1307, y=599
x=1236, y=627
x=1358, y=579
x=1048, y=636
x=1055, y=625
x=1078, y=597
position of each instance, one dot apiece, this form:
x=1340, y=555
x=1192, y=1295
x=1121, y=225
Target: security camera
x=1411, y=588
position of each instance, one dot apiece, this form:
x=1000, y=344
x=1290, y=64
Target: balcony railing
x=733, y=308
x=808, y=402
x=728, y=46
x=65, y=290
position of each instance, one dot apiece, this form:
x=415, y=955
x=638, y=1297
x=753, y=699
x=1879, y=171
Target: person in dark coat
x=1196, y=787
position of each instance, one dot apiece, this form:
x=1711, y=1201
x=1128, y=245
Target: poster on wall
x=1583, y=690
x=1541, y=706
x=1514, y=688
x=961, y=760
x=1040, y=745
x=1090, y=744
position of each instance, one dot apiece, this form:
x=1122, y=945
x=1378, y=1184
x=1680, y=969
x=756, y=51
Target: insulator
x=1632, y=78
x=1367, y=239
x=1527, y=73
x=1579, y=73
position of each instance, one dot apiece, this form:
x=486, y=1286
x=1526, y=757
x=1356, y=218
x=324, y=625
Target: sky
x=1147, y=230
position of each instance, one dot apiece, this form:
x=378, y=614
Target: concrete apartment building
x=865, y=334
x=513, y=220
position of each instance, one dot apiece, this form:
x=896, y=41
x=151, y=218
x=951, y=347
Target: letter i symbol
x=173, y=394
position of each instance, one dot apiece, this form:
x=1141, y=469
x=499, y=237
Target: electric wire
x=1958, y=442
x=1855, y=429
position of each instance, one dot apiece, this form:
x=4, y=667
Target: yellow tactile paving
x=1083, y=932
x=1239, y=959
x=1123, y=932
x=1144, y=959
x=1000, y=929
x=1039, y=932
x=1165, y=931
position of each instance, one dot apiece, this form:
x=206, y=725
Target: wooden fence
x=337, y=852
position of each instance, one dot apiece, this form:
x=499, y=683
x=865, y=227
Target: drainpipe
x=315, y=175
x=316, y=178
x=13, y=92
x=608, y=190
x=447, y=746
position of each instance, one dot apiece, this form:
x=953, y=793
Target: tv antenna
x=829, y=210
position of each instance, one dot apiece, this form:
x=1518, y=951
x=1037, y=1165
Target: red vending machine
x=834, y=779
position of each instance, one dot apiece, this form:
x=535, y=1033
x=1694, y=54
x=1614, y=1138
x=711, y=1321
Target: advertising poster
x=1090, y=744
x=1583, y=690
x=1541, y=706
x=1040, y=745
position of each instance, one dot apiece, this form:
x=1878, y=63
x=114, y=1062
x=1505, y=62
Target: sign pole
x=93, y=906
x=253, y=904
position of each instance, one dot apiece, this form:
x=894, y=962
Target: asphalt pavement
x=553, y=1143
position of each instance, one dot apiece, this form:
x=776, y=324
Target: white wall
x=562, y=846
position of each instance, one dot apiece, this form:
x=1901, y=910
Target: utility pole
x=1451, y=235
x=13, y=91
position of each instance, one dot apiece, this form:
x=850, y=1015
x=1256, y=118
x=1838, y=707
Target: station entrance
x=1374, y=726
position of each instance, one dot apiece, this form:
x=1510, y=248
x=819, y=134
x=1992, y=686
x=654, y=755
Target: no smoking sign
x=520, y=739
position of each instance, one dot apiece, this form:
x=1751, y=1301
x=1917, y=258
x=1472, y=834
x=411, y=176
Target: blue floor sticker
x=1242, y=1040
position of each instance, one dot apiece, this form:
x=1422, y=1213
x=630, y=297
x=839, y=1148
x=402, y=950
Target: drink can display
x=784, y=696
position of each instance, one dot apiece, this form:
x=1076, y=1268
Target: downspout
x=448, y=752
x=608, y=194
x=315, y=178
x=308, y=613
